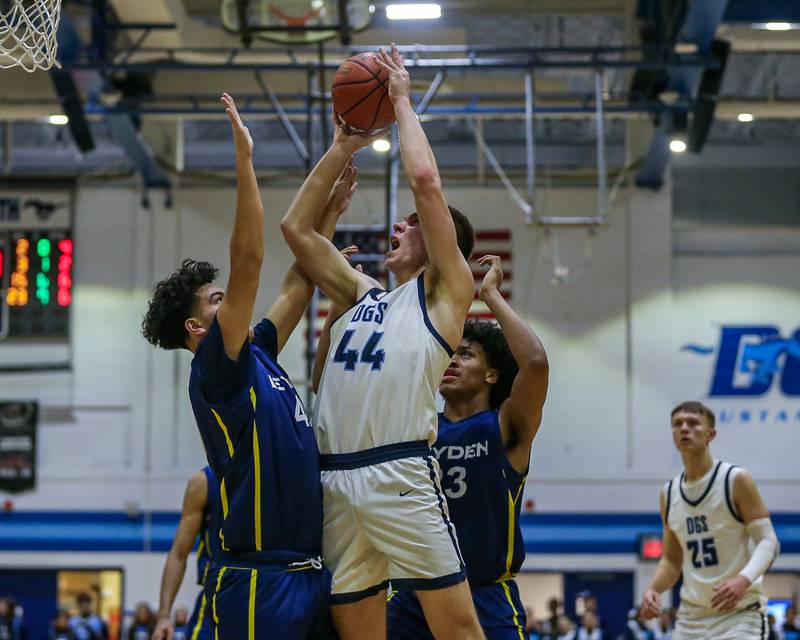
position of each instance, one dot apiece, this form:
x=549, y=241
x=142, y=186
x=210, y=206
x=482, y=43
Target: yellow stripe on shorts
x=200, y=616
x=214, y=602
x=251, y=611
x=514, y=609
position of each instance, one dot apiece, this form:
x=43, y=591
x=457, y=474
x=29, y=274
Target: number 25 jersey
x=712, y=535
x=381, y=373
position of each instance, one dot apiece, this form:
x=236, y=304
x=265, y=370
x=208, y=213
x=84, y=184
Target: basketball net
x=28, y=34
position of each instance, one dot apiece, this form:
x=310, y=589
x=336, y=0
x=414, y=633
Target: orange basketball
x=361, y=94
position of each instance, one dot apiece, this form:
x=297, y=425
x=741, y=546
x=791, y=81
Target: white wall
x=612, y=334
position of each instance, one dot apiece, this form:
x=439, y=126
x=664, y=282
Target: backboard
x=295, y=21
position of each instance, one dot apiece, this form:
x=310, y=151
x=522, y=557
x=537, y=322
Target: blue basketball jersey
x=260, y=445
x=208, y=545
x=483, y=495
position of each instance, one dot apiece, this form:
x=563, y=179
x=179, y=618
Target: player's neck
x=402, y=276
x=462, y=409
x=696, y=465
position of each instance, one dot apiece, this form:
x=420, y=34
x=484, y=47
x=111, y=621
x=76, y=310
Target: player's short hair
x=172, y=302
x=465, y=234
x=498, y=356
x=698, y=408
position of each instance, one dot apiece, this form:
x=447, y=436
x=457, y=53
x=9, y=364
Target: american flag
x=371, y=242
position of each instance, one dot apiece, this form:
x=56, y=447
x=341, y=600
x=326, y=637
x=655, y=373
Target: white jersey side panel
x=381, y=373
x=714, y=539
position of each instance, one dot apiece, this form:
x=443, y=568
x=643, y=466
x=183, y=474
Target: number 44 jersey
x=712, y=535
x=381, y=373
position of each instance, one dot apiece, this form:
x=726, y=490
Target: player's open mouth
x=394, y=242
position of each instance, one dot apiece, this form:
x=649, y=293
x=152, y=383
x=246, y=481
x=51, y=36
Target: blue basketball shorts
x=248, y=601
x=499, y=609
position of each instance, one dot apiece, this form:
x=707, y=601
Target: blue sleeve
x=220, y=377
x=265, y=337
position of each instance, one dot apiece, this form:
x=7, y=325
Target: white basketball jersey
x=381, y=373
x=713, y=537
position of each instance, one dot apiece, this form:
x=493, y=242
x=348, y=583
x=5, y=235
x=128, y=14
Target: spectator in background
x=565, y=630
x=533, y=627
x=590, y=627
x=772, y=628
x=59, y=628
x=637, y=626
x=666, y=623
x=143, y=623
x=87, y=625
x=790, y=624
x=550, y=625
x=11, y=625
x=590, y=604
x=181, y=624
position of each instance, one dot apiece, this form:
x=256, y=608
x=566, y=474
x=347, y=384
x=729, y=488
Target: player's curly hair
x=172, y=302
x=498, y=355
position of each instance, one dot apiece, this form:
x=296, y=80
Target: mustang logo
x=750, y=358
x=762, y=359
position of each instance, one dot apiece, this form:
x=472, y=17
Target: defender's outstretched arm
x=521, y=413
x=246, y=244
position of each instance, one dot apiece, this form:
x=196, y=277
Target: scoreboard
x=36, y=264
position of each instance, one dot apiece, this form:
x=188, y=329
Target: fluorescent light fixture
x=413, y=11
x=677, y=146
x=58, y=119
x=381, y=145
x=778, y=26
x=745, y=117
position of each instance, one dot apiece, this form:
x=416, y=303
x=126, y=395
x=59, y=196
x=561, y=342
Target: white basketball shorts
x=742, y=624
x=386, y=519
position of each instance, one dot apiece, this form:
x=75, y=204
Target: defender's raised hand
x=493, y=278
x=241, y=135
x=399, y=78
x=343, y=190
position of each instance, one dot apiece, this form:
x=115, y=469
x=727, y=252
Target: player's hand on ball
x=727, y=594
x=352, y=141
x=343, y=190
x=241, y=134
x=399, y=79
x=163, y=630
x=651, y=604
x=493, y=278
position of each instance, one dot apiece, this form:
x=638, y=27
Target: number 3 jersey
x=712, y=535
x=484, y=494
x=381, y=374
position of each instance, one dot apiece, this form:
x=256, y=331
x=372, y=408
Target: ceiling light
x=58, y=119
x=778, y=26
x=413, y=11
x=381, y=145
x=745, y=117
x=677, y=146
